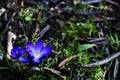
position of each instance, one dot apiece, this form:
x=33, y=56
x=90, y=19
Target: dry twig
x=67, y=59
x=55, y=72
x=104, y=61
x=37, y=25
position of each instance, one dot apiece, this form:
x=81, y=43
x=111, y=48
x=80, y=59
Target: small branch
x=37, y=25
x=48, y=69
x=98, y=1
x=44, y=30
x=54, y=72
x=7, y=25
x=112, y=2
x=92, y=65
x=104, y=61
x=116, y=69
x=91, y=2
x=67, y=59
x=21, y=2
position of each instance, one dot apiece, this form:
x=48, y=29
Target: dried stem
x=67, y=59
x=104, y=61
x=54, y=72
x=37, y=25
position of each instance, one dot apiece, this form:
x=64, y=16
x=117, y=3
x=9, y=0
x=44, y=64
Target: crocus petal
x=31, y=54
x=26, y=60
x=39, y=45
x=22, y=51
x=18, y=55
x=45, y=51
x=37, y=61
x=13, y=52
x=16, y=48
x=16, y=52
x=30, y=47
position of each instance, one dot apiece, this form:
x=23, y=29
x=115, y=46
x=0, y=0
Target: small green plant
x=115, y=42
x=28, y=14
x=90, y=27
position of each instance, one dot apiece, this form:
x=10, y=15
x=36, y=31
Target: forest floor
x=83, y=34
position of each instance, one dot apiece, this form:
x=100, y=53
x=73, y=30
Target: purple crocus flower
x=38, y=51
x=17, y=54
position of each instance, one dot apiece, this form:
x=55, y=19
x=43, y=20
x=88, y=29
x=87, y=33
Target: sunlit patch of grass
x=114, y=40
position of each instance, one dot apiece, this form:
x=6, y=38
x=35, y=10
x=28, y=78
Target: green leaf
x=85, y=47
x=28, y=18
